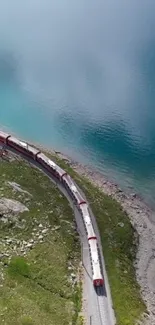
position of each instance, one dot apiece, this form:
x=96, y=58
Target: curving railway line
x=97, y=299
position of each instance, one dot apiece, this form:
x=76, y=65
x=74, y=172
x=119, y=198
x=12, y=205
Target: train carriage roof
x=85, y=211
x=88, y=222
x=47, y=160
x=51, y=163
x=42, y=156
x=18, y=142
x=94, y=250
x=73, y=187
x=79, y=197
x=61, y=171
x=69, y=181
x=4, y=135
x=95, y=260
x=23, y=144
x=87, y=219
x=33, y=150
x=90, y=231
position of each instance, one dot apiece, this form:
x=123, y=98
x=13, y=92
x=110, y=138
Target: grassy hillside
x=39, y=250
x=119, y=248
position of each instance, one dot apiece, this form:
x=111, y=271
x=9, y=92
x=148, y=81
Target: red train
x=60, y=174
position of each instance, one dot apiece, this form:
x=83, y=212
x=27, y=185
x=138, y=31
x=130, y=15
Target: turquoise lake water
x=80, y=77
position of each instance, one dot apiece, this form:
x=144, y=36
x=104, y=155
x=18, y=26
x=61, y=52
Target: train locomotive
x=57, y=172
x=93, y=247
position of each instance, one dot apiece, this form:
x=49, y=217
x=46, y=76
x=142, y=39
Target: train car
x=61, y=172
x=22, y=147
x=72, y=189
x=3, y=137
x=50, y=165
x=87, y=222
x=95, y=263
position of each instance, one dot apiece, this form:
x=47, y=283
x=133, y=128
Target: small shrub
x=18, y=266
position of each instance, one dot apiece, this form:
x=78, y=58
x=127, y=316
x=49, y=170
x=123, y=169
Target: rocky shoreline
x=143, y=221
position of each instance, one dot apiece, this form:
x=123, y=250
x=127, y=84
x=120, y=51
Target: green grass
x=119, y=249
x=18, y=267
x=36, y=289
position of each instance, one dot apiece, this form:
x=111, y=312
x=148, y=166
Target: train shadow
x=101, y=291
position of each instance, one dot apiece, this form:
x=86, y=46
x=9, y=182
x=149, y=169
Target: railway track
x=101, y=306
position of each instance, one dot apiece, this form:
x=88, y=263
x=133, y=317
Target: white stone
x=9, y=241
x=29, y=245
x=121, y=224
x=44, y=231
x=73, y=275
